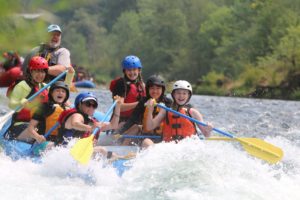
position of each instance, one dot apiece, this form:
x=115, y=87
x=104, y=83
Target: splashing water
x=191, y=169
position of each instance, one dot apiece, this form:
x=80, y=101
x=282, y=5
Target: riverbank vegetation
x=248, y=48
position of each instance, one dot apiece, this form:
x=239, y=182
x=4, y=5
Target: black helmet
x=155, y=80
x=59, y=84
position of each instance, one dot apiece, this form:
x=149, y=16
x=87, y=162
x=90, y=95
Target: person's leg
x=111, y=155
x=147, y=143
x=23, y=135
x=134, y=130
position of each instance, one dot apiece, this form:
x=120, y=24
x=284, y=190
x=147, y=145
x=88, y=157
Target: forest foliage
x=223, y=47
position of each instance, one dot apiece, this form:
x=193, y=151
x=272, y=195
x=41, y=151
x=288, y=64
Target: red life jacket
x=133, y=94
x=25, y=114
x=176, y=127
x=74, y=133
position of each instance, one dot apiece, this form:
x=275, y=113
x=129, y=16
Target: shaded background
x=224, y=47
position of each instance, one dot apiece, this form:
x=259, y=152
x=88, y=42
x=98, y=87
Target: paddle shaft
x=105, y=116
x=194, y=120
x=141, y=136
x=159, y=137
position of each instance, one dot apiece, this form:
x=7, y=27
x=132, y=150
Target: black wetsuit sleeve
x=119, y=88
x=136, y=117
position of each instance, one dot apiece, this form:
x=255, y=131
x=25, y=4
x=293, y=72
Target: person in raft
x=176, y=128
x=46, y=117
x=20, y=92
x=155, y=89
x=58, y=57
x=78, y=122
x=131, y=87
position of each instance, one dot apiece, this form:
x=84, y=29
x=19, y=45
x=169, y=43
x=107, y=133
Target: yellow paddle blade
x=83, y=150
x=261, y=149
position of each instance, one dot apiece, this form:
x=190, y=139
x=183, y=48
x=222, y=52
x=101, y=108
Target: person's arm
x=63, y=62
x=18, y=95
x=135, y=118
x=55, y=70
x=206, y=130
x=76, y=121
x=116, y=116
x=35, y=135
x=153, y=123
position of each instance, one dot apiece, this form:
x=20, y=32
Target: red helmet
x=38, y=62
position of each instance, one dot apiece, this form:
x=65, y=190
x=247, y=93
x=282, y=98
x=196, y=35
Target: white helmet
x=181, y=84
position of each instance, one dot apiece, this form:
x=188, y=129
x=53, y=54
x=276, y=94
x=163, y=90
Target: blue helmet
x=85, y=96
x=130, y=62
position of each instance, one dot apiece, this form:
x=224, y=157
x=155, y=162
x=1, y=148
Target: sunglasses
x=90, y=104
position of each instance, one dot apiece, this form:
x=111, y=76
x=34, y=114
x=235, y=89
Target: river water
x=192, y=169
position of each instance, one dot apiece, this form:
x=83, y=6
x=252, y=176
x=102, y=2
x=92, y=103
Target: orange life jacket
x=157, y=130
x=52, y=119
x=176, y=127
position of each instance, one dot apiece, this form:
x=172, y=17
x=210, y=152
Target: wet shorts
x=15, y=130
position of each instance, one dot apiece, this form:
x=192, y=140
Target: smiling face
x=132, y=74
x=181, y=96
x=155, y=91
x=88, y=107
x=38, y=75
x=59, y=95
x=54, y=39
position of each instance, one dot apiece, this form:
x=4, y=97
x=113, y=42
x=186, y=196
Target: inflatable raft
x=20, y=150
x=10, y=76
x=85, y=84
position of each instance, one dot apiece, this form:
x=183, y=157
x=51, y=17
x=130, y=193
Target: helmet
x=38, y=62
x=59, y=84
x=155, y=80
x=182, y=85
x=54, y=27
x=130, y=62
x=85, y=96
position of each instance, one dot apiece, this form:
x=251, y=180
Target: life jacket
x=53, y=118
x=48, y=54
x=72, y=133
x=25, y=114
x=133, y=92
x=176, y=127
x=158, y=130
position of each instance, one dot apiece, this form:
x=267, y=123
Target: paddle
x=83, y=149
x=140, y=136
x=253, y=146
x=8, y=115
x=159, y=137
x=36, y=145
